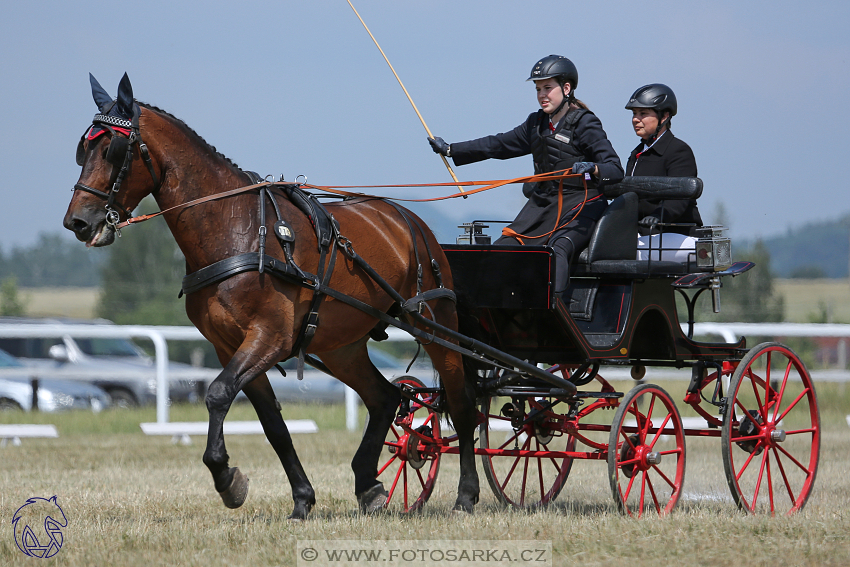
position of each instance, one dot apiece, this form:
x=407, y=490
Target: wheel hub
x=748, y=428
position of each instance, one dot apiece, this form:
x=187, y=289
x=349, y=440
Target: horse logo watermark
x=38, y=527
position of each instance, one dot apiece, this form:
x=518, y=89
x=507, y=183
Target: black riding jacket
x=585, y=140
x=668, y=157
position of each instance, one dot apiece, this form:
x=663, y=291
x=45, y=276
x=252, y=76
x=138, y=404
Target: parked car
x=16, y=388
x=320, y=387
x=116, y=365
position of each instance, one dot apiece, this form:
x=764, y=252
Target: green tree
x=142, y=275
x=751, y=297
x=55, y=260
x=10, y=303
x=140, y=279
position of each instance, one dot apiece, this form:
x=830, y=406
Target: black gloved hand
x=648, y=221
x=440, y=146
x=583, y=167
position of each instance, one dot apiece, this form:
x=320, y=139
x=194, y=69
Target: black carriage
x=618, y=311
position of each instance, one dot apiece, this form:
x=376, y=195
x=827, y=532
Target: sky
x=293, y=87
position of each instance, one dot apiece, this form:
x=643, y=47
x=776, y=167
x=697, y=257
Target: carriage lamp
x=713, y=250
x=473, y=233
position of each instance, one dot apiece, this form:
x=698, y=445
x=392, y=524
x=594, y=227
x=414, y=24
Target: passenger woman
x=660, y=153
x=562, y=134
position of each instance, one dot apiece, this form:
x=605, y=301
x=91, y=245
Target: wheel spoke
x=759, y=405
x=770, y=484
x=387, y=464
x=784, y=477
x=625, y=496
x=758, y=481
x=652, y=492
x=525, y=446
x=404, y=487
x=746, y=414
x=540, y=471
x=664, y=476
x=793, y=460
x=641, y=500
x=512, y=438
x=782, y=389
x=395, y=481
x=744, y=467
x=804, y=393
x=648, y=423
x=660, y=430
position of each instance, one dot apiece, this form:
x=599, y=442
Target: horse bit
x=117, y=145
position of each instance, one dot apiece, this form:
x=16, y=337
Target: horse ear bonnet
x=125, y=98
x=124, y=107
x=101, y=97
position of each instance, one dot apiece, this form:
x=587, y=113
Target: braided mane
x=189, y=131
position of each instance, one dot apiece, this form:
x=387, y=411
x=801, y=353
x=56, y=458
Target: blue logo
x=38, y=527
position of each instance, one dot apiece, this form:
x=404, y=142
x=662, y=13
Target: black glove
x=648, y=221
x=440, y=146
x=583, y=167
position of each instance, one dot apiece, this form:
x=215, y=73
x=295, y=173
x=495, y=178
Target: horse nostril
x=78, y=226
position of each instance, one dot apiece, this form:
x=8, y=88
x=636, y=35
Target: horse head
x=117, y=169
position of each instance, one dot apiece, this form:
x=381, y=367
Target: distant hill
x=815, y=250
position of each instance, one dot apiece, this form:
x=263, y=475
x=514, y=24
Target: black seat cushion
x=615, y=235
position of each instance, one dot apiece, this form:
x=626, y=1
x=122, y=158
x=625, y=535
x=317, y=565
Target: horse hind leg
x=262, y=397
x=460, y=398
x=351, y=365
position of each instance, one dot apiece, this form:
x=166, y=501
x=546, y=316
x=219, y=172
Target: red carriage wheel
x=518, y=479
x=410, y=461
x=771, y=431
x=646, y=452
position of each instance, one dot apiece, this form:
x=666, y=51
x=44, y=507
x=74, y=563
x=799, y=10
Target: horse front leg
x=230, y=482
x=262, y=397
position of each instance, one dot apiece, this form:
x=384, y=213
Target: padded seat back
x=615, y=235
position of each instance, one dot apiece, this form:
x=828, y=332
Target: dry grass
x=805, y=298
x=134, y=500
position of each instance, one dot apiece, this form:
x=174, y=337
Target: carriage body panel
x=625, y=315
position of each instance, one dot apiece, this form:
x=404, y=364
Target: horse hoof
x=373, y=499
x=300, y=513
x=462, y=509
x=234, y=495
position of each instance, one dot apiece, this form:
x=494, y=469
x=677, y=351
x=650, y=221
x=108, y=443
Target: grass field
x=136, y=500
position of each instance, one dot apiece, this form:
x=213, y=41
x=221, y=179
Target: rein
x=338, y=190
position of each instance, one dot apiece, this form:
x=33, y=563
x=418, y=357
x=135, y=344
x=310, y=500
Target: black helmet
x=555, y=66
x=655, y=96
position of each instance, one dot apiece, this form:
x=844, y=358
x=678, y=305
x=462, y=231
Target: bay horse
x=254, y=319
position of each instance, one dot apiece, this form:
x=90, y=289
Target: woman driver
x=660, y=153
x=562, y=134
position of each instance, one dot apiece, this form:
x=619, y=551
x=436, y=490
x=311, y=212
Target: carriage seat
x=613, y=246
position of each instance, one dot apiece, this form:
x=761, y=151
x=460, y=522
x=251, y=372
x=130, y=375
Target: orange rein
x=338, y=190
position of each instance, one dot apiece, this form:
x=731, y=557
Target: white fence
x=160, y=336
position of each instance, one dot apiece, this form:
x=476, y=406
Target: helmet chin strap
x=561, y=106
x=651, y=140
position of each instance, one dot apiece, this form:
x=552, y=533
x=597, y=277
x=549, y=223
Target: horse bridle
x=119, y=152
